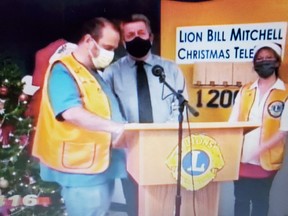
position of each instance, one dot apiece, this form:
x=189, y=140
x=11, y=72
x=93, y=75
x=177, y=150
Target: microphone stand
x=182, y=103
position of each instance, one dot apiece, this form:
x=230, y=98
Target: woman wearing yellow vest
x=80, y=122
x=264, y=101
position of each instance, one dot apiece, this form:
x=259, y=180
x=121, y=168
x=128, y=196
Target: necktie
x=144, y=100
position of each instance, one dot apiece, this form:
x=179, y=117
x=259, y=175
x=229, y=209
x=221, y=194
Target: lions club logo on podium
x=201, y=160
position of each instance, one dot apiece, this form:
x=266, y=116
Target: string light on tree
x=20, y=182
x=3, y=183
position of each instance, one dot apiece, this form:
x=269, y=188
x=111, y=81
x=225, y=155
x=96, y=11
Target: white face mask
x=104, y=58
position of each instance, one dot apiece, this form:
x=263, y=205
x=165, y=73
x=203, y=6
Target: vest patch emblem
x=276, y=108
x=201, y=160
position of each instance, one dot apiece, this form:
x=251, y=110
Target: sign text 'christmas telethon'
x=225, y=43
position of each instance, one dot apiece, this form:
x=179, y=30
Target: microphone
x=158, y=71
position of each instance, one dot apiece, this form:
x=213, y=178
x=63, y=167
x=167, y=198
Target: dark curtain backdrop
x=29, y=25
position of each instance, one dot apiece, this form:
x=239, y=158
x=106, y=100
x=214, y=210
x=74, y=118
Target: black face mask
x=265, y=68
x=138, y=47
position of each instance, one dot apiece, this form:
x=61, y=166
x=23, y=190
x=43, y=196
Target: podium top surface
x=247, y=126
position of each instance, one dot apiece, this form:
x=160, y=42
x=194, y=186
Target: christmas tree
x=21, y=190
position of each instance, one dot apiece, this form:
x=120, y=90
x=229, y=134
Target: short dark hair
x=136, y=18
x=94, y=27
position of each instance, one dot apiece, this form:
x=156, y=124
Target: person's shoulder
x=58, y=65
x=163, y=61
x=282, y=84
x=160, y=58
x=249, y=86
x=121, y=60
x=58, y=68
x=117, y=65
x=169, y=65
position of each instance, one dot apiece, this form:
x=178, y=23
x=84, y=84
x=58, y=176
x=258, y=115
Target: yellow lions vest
x=65, y=147
x=274, y=105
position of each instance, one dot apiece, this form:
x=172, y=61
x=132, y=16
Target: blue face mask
x=265, y=68
x=138, y=47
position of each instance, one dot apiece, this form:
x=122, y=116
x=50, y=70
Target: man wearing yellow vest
x=80, y=122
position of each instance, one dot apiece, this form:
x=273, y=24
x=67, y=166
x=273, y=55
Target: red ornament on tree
x=23, y=139
x=6, y=130
x=23, y=97
x=3, y=90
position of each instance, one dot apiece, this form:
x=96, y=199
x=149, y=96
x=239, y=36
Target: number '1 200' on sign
x=215, y=98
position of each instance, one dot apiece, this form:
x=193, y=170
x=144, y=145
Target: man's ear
x=88, y=40
x=87, y=37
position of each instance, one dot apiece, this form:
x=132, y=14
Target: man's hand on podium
x=118, y=138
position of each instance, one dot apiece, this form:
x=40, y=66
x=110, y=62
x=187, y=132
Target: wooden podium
x=148, y=148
